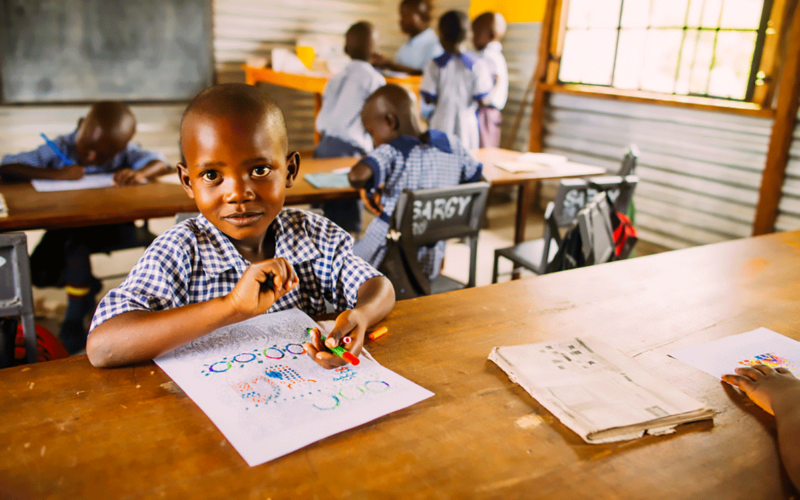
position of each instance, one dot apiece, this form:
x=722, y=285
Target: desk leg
x=525, y=195
x=317, y=107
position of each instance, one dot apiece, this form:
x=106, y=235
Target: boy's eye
x=210, y=175
x=260, y=171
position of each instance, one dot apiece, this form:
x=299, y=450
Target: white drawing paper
x=92, y=181
x=259, y=387
x=758, y=346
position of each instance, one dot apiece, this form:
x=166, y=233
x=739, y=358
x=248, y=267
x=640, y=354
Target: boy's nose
x=239, y=191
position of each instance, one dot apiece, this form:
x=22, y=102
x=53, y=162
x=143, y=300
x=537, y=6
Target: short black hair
x=454, y=26
x=358, y=40
x=236, y=99
x=425, y=13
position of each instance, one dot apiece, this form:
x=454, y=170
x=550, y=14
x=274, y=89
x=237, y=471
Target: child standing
x=404, y=159
x=101, y=144
x=455, y=82
x=339, y=120
x=244, y=255
x=487, y=30
x=422, y=45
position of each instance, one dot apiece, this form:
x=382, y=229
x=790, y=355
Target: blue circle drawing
x=218, y=370
x=379, y=389
x=280, y=353
x=326, y=407
x=296, y=346
x=245, y=357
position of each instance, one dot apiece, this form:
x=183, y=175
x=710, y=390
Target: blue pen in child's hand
x=64, y=159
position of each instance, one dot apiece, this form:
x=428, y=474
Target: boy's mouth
x=243, y=219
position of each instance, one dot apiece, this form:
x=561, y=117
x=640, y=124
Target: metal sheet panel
x=789, y=207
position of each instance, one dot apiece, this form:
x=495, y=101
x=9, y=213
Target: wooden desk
x=73, y=431
x=310, y=83
x=29, y=209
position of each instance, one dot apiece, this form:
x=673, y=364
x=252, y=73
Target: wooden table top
x=29, y=209
x=129, y=432
x=312, y=83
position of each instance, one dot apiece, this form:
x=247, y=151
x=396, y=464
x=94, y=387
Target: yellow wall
x=515, y=11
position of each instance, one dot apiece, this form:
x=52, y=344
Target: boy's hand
x=763, y=385
x=128, y=177
x=373, y=203
x=70, y=173
x=252, y=295
x=351, y=324
x=378, y=60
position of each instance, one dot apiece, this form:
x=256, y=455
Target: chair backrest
x=16, y=296
x=628, y=166
x=426, y=216
x=574, y=194
x=550, y=235
x=597, y=233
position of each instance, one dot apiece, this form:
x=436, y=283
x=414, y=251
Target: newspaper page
x=595, y=390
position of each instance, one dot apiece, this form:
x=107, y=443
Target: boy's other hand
x=764, y=386
x=70, y=173
x=373, y=203
x=252, y=296
x=128, y=177
x=350, y=323
x=379, y=60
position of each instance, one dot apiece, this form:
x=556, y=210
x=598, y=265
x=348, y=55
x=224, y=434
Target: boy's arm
x=136, y=336
x=360, y=175
x=778, y=393
x=127, y=176
x=23, y=171
x=375, y=300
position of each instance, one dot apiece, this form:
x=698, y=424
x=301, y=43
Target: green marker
x=338, y=350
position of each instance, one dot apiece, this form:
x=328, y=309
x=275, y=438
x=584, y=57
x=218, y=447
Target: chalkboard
x=89, y=50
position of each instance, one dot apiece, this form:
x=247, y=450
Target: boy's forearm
x=394, y=66
x=28, y=171
x=787, y=416
x=375, y=299
x=155, y=168
x=359, y=175
x=137, y=336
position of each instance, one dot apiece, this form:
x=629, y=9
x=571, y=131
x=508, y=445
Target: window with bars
x=707, y=48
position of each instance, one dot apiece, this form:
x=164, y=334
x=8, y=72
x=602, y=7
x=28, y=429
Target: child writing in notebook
x=339, y=120
x=100, y=144
x=404, y=158
x=455, y=82
x=245, y=254
x=487, y=30
x=777, y=392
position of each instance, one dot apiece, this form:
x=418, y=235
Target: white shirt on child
x=456, y=84
x=492, y=54
x=419, y=50
x=342, y=101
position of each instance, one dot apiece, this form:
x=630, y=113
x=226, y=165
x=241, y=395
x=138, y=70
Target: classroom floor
x=51, y=302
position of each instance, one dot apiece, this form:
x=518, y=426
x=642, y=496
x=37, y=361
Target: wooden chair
x=425, y=217
x=628, y=166
x=573, y=196
x=16, y=297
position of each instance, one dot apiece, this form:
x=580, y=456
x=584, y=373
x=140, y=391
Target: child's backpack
x=624, y=235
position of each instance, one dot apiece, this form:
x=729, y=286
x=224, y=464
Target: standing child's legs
x=489, y=122
x=345, y=213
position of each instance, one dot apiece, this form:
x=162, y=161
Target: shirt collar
x=493, y=46
x=404, y=144
x=443, y=59
x=291, y=242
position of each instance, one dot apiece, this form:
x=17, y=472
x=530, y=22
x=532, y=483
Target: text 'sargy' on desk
x=74, y=431
x=313, y=83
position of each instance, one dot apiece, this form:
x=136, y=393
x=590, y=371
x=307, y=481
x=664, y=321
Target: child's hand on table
x=70, y=173
x=763, y=385
x=128, y=177
x=252, y=295
x=351, y=324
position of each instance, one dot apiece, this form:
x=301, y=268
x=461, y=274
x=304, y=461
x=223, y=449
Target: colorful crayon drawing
x=770, y=359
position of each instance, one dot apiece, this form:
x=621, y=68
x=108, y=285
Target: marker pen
x=338, y=350
x=64, y=159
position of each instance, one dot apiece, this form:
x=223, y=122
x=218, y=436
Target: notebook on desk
x=595, y=390
x=325, y=180
x=531, y=162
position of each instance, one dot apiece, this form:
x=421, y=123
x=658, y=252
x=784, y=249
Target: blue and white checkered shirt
x=195, y=262
x=133, y=156
x=345, y=95
x=408, y=163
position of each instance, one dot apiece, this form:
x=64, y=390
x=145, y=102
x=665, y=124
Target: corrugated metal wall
x=789, y=208
x=700, y=171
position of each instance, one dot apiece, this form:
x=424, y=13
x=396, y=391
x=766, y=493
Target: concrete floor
x=51, y=302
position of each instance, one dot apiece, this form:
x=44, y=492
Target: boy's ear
x=186, y=181
x=292, y=167
x=392, y=121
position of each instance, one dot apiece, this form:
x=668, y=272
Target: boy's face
x=96, y=146
x=237, y=171
x=378, y=124
x=411, y=20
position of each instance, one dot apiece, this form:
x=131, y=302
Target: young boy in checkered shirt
x=404, y=158
x=216, y=269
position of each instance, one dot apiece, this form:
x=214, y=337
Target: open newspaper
x=595, y=390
